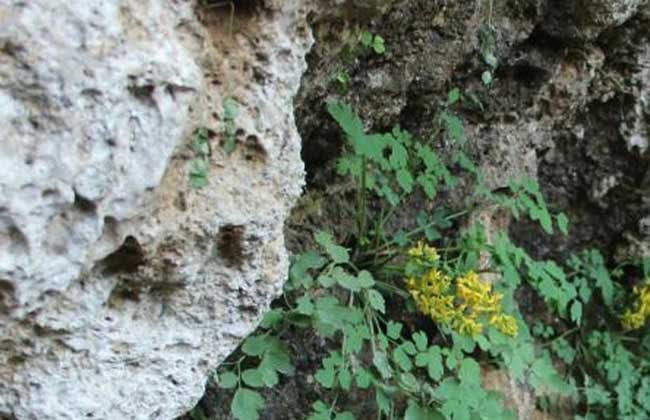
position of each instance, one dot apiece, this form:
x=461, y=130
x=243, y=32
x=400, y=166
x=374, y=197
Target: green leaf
x=325, y=377
x=453, y=96
x=409, y=382
x=563, y=223
x=576, y=312
x=348, y=281
x=366, y=38
x=429, y=185
x=402, y=359
x=322, y=412
x=432, y=359
x=353, y=128
x=269, y=374
x=604, y=282
x=554, y=270
x=199, y=167
x=378, y=45
x=470, y=371
x=456, y=409
x=299, y=272
x=365, y=279
x=246, y=404
x=546, y=375
x=415, y=412
x=486, y=77
x=376, y=301
x=198, y=181
x=464, y=161
x=326, y=280
x=201, y=147
x=383, y=401
x=545, y=221
x=564, y=350
x=597, y=395
x=454, y=127
x=272, y=318
x=380, y=361
x=420, y=340
x=338, y=254
x=345, y=379
x=405, y=180
x=394, y=329
x=346, y=415
x=399, y=156
x=490, y=59
x=277, y=357
x=253, y=378
x=363, y=378
x=230, y=109
x=305, y=305
x=255, y=345
x=353, y=339
x=228, y=380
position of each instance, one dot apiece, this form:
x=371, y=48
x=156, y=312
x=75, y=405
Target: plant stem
x=361, y=205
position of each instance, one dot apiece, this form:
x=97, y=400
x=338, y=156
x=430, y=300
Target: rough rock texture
x=586, y=19
x=121, y=287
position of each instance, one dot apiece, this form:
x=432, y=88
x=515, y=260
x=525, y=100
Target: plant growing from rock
x=463, y=283
x=200, y=164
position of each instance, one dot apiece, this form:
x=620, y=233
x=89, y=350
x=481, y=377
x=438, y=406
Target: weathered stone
x=586, y=19
x=120, y=286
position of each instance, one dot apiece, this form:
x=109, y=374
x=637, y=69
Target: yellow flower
x=424, y=253
x=467, y=326
x=462, y=308
x=633, y=319
x=505, y=324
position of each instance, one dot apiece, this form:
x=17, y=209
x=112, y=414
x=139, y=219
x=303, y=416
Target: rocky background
x=122, y=288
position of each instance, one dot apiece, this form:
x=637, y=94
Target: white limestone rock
x=121, y=288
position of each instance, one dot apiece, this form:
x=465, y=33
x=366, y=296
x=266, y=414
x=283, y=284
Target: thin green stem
x=561, y=336
x=392, y=288
x=361, y=205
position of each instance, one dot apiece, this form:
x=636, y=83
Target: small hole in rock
x=126, y=259
x=230, y=245
x=7, y=291
x=254, y=149
x=241, y=8
x=83, y=204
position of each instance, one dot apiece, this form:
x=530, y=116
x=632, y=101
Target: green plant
x=230, y=113
x=200, y=164
x=359, y=298
x=343, y=79
x=487, y=40
x=265, y=357
x=372, y=41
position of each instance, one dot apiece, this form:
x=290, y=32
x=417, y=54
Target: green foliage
x=488, y=47
x=230, y=113
x=353, y=292
x=264, y=358
x=372, y=41
x=200, y=165
x=343, y=79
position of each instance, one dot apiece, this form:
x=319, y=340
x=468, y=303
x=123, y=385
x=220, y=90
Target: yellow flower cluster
x=423, y=253
x=632, y=320
x=464, y=310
